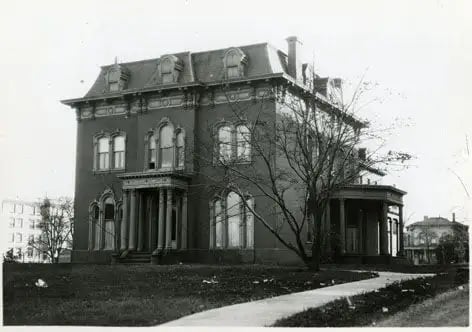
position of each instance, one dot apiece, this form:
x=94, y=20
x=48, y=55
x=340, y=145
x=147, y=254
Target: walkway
x=268, y=311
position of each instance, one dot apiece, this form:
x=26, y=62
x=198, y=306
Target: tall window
x=166, y=146
x=243, y=140
x=98, y=230
x=250, y=223
x=103, y=150
x=119, y=152
x=224, y=143
x=19, y=238
x=238, y=219
x=152, y=152
x=180, y=149
x=218, y=224
x=109, y=221
x=234, y=219
x=166, y=71
x=232, y=64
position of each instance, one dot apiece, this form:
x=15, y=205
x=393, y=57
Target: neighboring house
x=138, y=187
x=422, y=239
x=22, y=222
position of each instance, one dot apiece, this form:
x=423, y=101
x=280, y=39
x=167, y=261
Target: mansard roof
x=198, y=68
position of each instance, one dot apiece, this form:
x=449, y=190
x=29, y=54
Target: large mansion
x=140, y=192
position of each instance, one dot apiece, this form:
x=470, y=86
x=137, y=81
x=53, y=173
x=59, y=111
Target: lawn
x=141, y=295
x=447, y=309
x=369, y=308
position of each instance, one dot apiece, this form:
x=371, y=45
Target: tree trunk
x=315, y=261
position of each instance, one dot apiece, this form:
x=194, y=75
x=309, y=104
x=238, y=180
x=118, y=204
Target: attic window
x=114, y=86
x=117, y=77
x=234, y=62
x=170, y=67
x=166, y=70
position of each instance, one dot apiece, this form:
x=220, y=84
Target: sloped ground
x=447, y=309
x=139, y=295
x=373, y=307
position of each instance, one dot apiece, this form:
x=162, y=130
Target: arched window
x=97, y=226
x=243, y=140
x=94, y=214
x=167, y=67
x=109, y=222
x=103, y=153
x=119, y=152
x=219, y=227
x=224, y=143
x=232, y=64
x=249, y=223
x=166, y=148
x=152, y=152
x=234, y=61
x=234, y=219
x=180, y=146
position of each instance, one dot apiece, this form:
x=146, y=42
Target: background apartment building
x=22, y=224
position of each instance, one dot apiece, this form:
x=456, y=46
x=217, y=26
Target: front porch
x=365, y=223
x=154, y=220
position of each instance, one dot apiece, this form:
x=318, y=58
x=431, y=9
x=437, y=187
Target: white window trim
x=111, y=151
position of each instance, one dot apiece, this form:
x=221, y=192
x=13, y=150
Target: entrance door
x=352, y=240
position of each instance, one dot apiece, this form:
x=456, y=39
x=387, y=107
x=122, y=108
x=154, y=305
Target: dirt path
x=447, y=309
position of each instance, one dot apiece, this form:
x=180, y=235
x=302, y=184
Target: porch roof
x=385, y=193
x=155, y=179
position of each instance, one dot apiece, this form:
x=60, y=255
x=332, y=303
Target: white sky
x=418, y=51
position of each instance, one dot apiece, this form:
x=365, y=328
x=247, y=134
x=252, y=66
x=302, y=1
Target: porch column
x=183, y=244
x=342, y=226
x=390, y=224
x=225, y=223
x=400, y=231
x=140, y=221
x=124, y=221
x=328, y=227
x=169, y=219
x=178, y=221
x=160, y=221
x=383, y=238
x=151, y=227
x=132, y=217
x=360, y=231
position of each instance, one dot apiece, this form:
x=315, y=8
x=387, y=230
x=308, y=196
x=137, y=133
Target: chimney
x=425, y=218
x=362, y=152
x=453, y=216
x=292, y=61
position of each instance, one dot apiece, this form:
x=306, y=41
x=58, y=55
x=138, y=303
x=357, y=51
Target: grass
x=142, y=295
x=450, y=308
x=369, y=308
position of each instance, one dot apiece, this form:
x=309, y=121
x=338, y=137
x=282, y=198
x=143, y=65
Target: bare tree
x=56, y=225
x=295, y=157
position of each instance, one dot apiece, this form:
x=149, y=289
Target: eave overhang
x=388, y=194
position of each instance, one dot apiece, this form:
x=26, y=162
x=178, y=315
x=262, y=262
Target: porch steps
x=136, y=257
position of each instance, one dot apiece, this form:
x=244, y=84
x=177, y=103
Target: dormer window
x=117, y=77
x=114, y=87
x=166, y=70
x=234, y=62
x=170, y=67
